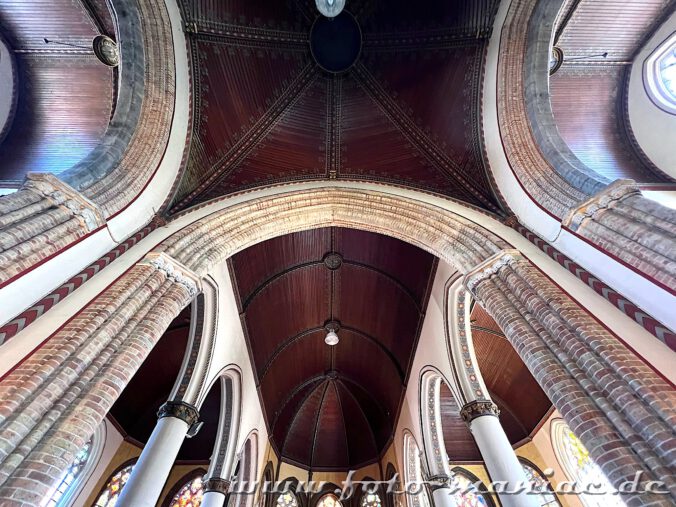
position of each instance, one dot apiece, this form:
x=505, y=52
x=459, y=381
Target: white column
x=144, y=487
x=213, y=499
x=215, y=492
x=442, y=497
x=497, y=452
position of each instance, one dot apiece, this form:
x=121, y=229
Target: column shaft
x=443, y=497
x=213, y=499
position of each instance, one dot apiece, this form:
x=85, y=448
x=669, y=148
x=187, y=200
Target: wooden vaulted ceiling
x=332, y=407
x=406, y=113
x=65, y=94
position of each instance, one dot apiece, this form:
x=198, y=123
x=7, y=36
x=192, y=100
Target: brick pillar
x=40, y=219
x=54, y=401
x=639, y=231
x=621, y=410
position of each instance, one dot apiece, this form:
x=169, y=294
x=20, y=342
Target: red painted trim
x=50, y=257
x=619, y=261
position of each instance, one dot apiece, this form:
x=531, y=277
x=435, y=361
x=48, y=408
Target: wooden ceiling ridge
x=418, y=138
x=248, y=142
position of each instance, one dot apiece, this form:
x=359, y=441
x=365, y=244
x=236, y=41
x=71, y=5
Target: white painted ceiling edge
x=23, y=292
x=638, y=289
x=652, y=350
x=654, y=128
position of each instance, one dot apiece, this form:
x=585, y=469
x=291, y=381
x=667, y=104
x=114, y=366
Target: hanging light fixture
x=331, y=338
x=330, y=8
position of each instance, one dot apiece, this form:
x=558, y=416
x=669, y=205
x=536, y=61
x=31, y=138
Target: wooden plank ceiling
x=406, y=113
x=65, y=94
x=332, y=407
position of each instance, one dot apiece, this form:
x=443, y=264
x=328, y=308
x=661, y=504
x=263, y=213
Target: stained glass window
x=287, y=499
x=660, y=73
x=71, y=474
x=190, y=495
x=111, y=492
x=467, y=494
x=580, y=467
x=539, y=483
x=371, y=500
x=329, y=501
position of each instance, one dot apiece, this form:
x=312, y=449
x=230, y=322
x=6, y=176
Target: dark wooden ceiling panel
x=274, y=316
x=294, y=149
x=374, y=250
x=267, y=114
x=460, y=444
x=587, y=102
x=378, y=295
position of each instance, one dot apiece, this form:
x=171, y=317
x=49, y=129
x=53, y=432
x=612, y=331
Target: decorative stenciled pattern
x=417, y=494
x=113, y=488
x=432, y=411
x=467, y=359
x=190, y=495
x=72, y=474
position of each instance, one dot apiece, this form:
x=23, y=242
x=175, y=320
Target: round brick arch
x=621, y=410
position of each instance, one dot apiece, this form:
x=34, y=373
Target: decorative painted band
x=649, y=323
x=9, y=330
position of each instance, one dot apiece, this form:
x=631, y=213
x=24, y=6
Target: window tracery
x=329, y=500
x=467, y=494
x=190, y=495
x=111, y=491
x=660, y=75
x=580, y=467
x=72, y=474
x=540, y=484
x=287, y=499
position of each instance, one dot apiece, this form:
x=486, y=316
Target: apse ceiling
x=402, y=108
x=332, y=407
x=65, y=94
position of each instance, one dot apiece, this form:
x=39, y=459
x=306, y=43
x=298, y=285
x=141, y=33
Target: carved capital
x=217, y=485
x=477, y=408
x=180, y=410
x=61, y=194
x=440, y=482
x=490, y=267
x=175, y=271
x=605, y=199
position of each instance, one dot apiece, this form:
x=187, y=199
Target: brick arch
x=569, y=353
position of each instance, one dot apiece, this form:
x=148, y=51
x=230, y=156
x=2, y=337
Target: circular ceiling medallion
x=335, y=43
x=333, y=261
x=106, y=50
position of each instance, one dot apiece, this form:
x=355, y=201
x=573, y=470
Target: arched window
x=111, y=491
x=539, y=483
x=660, y=75
x=468, y=494
x=579, y=467
x=329, y=500
x=190, y=495
x=370, y=500
x=72, y=474
x=287, y=499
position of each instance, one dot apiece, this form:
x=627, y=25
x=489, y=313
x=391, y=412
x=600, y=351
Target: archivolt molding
x=430, y=414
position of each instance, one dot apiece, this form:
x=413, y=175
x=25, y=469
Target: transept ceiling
x=406, y=113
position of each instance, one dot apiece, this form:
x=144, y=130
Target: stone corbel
x=61, y=194
x=175, y=271
x=605, y=199
x=489, y=267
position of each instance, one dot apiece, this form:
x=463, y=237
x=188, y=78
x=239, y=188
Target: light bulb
x=330, y=8
x=331, y=338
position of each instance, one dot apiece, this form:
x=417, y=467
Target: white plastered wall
x=654, y=128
